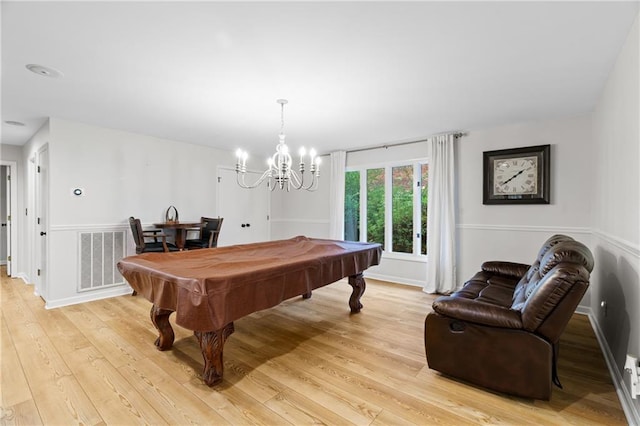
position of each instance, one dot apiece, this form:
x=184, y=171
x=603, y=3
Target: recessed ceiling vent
x=44, y=71
x=14, y=123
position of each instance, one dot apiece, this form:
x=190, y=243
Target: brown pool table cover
x=210, y=288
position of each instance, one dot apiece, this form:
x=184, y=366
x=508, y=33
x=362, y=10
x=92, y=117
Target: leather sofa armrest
x=477, y=312
x=512, y=269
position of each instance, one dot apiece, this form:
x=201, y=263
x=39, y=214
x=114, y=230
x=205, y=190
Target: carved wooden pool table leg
x=212, y=344
x=160, y=320
x=357, y=282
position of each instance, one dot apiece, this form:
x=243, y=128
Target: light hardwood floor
x=302, y=362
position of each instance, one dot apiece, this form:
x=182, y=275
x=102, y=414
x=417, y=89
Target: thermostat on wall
x=78, y=192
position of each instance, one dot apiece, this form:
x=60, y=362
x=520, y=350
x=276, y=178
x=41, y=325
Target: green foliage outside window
x=402, y=209
x=352, y=206
x=375, y=206
x=424, y=195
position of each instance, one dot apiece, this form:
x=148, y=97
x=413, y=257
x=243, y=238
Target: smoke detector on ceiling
x=44, y=71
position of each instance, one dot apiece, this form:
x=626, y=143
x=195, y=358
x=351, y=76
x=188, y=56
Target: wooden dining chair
x=142, y=246
x=208, y=235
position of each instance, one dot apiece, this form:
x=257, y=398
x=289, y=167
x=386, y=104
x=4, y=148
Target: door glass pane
x=424, y=188
x=352, y=206
x=402, y=208
x=375, y=206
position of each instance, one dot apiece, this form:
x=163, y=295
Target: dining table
x=179, y=230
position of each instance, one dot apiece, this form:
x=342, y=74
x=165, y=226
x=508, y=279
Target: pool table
x=208, y=289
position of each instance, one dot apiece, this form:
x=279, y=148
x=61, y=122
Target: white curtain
x=441, y=238
x=336, y=195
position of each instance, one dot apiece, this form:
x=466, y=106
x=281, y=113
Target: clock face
x=515, y=176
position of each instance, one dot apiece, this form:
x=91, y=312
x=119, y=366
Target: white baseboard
x=629, y=408
x=21, y=275
x=398, y=280
x=89, y=297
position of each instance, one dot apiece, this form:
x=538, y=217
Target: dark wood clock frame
x=543, y=152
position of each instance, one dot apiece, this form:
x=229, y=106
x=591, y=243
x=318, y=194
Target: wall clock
x=517, y=175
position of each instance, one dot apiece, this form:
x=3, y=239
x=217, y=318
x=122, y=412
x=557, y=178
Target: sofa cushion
x=510, y=269
x=567, y=251
x=531, y=279
x=471, y=310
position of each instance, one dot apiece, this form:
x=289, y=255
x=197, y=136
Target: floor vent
x=99, y=255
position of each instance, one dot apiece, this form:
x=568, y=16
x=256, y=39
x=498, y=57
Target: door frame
x=12, y=240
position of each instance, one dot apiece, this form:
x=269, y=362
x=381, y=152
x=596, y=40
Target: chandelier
x=279, y=172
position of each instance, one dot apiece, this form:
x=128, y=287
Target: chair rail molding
x=284, y=220
x=526, y=228
x=627, y=246
x=92, y=227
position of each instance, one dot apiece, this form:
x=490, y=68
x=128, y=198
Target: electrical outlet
x=631, y=367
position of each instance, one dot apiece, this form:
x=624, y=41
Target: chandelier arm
x=297, y=180
x=315, y=179
x=257, y=183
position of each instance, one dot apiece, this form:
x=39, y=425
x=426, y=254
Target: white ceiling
x=355, y=73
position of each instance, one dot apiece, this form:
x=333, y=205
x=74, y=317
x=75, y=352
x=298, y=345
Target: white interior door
x=4, y=214
x=245, y=211
x=42, y=221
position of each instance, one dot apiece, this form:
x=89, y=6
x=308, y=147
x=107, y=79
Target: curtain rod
x=455, y=135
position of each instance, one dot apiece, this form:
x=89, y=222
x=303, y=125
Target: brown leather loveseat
x=502, y=328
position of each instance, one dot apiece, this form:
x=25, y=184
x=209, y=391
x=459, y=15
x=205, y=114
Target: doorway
x=8, y=215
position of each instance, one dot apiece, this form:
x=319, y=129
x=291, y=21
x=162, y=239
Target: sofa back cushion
x=561, y=263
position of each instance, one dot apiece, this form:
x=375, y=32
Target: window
x=388, y=205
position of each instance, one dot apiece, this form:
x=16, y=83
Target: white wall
x=125, y=174
x=515, y=232
x=616, y=214
x=122, y=174
x=302, y=212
